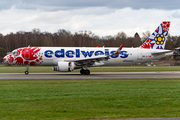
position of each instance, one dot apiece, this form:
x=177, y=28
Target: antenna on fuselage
x=28, y=45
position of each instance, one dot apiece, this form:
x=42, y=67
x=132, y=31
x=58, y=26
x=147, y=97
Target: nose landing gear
x=27, y=72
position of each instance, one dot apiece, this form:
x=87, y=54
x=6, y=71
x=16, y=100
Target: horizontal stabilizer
x=161, y=52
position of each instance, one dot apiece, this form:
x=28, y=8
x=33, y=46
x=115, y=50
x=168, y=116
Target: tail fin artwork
x=158, y=38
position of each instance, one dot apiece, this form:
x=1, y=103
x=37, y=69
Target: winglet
x=119, y=49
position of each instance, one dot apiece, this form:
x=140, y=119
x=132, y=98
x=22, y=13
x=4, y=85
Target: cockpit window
x=15, y=53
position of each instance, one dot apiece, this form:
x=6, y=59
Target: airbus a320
x=67, y=59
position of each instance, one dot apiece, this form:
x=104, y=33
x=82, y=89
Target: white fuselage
x=127, y=56
x=66, y=59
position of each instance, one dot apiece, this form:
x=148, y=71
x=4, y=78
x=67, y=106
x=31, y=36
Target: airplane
x=67, y=59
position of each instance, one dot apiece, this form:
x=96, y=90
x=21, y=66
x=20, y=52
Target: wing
x=96, y=60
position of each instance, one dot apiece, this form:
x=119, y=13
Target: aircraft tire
x=82, y=71
x=26, y=72
x=87, y=72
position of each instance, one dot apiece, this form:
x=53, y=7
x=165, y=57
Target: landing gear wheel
x=82, y=71
x=87, y=72
x=26, y=72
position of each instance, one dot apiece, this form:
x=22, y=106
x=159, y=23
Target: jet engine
x=64, y=67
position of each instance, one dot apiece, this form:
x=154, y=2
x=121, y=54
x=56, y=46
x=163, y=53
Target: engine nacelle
x=64, y=67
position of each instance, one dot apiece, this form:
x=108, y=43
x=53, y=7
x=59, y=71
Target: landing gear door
x=26, y=54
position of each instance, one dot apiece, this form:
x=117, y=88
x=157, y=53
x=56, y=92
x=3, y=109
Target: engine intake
x=64, y=67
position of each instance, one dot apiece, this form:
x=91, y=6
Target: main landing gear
x=84, y=72
x=27, y=72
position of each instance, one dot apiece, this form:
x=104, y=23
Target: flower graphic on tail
x=158, y=38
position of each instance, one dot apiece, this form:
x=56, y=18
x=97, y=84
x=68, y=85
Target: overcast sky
x=102, y=17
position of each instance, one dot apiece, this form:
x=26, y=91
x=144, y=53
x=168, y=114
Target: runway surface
x=93, y=75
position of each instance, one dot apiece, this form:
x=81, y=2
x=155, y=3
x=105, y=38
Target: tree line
x=64, y=38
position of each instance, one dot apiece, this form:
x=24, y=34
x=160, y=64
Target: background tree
x=145, y=36
x=2, y=53
x=136, y=35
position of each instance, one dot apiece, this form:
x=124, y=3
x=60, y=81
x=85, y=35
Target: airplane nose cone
x=8, y=59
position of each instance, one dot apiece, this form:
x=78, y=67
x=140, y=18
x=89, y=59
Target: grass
x=17, y=69
x=89, y=99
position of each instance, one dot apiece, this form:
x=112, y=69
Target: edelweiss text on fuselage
x=77, y=53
